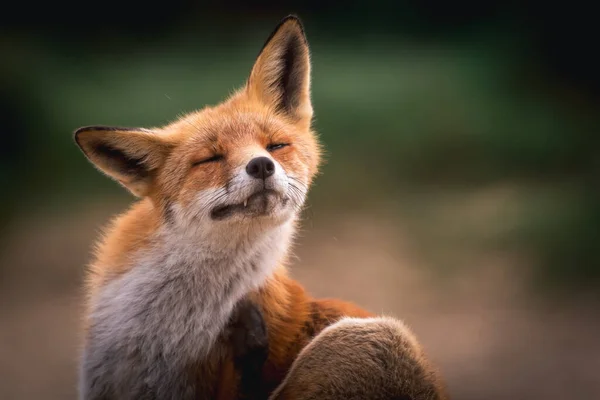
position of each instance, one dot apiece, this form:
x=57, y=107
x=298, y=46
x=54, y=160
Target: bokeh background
x=461, y=190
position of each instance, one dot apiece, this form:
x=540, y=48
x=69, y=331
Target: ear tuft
x=291, y=19
x=280, y=77
x=128, y=155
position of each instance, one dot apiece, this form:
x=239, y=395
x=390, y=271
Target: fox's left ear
x=281, y=74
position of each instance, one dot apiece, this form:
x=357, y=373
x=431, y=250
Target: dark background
x=461, y=190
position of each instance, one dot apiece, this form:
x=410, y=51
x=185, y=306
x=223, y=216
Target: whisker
x=296, y=196
x=304, y=185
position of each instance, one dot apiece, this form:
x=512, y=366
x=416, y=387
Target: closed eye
x=276, y=146
x=215, y=158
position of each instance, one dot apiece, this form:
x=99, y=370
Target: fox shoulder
x=362, y=358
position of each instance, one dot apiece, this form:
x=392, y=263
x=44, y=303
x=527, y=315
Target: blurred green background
x=461, y=189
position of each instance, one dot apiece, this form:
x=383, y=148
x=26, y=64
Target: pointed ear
x=131, y=156
x=280, y=77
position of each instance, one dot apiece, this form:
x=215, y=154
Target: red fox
x=189, y=286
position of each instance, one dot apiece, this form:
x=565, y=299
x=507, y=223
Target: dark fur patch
x=119, y=161
x=290, y=17
x=250, y=346
x=290, y=80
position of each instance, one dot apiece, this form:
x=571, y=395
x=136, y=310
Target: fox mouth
x=259, y=203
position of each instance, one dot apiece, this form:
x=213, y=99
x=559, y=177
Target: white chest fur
x=172, y=306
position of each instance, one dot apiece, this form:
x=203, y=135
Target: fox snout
x=258, y=188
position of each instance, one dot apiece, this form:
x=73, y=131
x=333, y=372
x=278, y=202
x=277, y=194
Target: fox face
x=251, y=158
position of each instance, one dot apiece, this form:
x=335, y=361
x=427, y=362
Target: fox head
x=251, y=158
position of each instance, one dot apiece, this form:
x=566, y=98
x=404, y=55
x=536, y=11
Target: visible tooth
x=245, y=202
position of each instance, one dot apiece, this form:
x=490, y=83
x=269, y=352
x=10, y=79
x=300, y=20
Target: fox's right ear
x=130, y=156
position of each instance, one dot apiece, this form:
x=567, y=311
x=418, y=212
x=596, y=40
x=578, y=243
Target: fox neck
x=224, y=263
x=183, y=290
x=236, y=258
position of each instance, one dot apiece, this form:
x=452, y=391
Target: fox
x=188, y=295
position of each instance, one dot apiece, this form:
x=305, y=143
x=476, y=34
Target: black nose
x=260, y=167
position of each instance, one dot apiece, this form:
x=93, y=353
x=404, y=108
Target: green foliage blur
x=428, y=109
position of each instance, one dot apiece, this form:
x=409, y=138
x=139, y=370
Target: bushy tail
x=362, y=358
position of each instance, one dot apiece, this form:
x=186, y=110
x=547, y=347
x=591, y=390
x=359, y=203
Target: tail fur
x=362, y=358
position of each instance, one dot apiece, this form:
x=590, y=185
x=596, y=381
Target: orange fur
x=293, y=318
